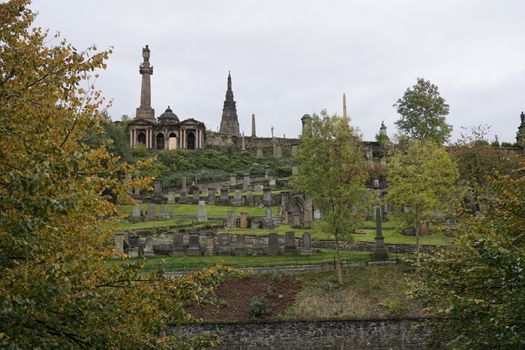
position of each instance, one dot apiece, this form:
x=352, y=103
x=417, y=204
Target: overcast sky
x=291, y=57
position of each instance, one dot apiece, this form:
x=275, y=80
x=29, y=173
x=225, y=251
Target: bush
x=258, y=306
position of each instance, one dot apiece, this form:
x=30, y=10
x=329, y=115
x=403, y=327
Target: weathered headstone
x=183, y=192
x=267, y=196
x=178, y=243
x=194, y=247
x=210, y=246
x=380, y=251
x=272, y=183
x=202, y=212
x=267, y=173
x=196, y=194
x=268, y=220
x=119, y=243
x=289, y=242
x=243, y=221
x=148, y=247
x=237, y=198
x=295, y=149
x=246, y=184
x=295, y=170
x=224, y=195
x=136, y=212
x=157, y=188
x=249, y=198
x=133, y=250
x=171, y=197
x=231, y=222
x=273, y=244
x=317, y=214
x=233, y=181
x=240, y=246
x=165, y=212
x=137, y=191
x=211, y=195
x=259, y=153
x=306, y=249
x=152, y=211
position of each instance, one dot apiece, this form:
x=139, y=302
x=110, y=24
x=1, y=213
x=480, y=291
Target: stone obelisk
x=146, y=70
x=253, y=126
x=345, y=114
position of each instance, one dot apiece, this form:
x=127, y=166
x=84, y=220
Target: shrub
x=258, y=306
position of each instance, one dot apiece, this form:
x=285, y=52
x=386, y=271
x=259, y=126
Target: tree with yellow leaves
x=57, y=289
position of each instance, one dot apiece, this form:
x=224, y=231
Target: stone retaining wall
x=373, y=334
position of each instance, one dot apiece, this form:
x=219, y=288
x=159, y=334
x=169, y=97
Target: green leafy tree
x=423, y=113
x=477, y=286
x=57, y=213
x=332, y=171
x=421, y=182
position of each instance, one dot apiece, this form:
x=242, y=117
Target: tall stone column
x=253, y=126
x=146, y=70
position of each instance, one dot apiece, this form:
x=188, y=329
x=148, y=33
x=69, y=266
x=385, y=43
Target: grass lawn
x=181, y=263
x=368, y=292
x=211, y=210
x=175, y=223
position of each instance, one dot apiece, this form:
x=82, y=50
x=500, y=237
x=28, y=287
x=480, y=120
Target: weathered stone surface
x=171, y=197
x=211, y=195
x=152, y=211
x=183, y=199
x=136, y=211
x=243, y=221
x=119, y=242
x=224, y=195
x=306, y=248
x=268, y=220
x=342, y=335
x=231, y=221
x=289, y=242
x=249, y=198
x=237, y=198
x=295, y=170
x=148, y=247
x=178, y=242
x=273, y=244
x=202, y=217
x=267, y=196
x=157, y=188
x=194, y=247
x=246, y=184
x=196, y=194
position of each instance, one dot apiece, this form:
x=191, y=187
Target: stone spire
x=146, y=70
x=382, y=129
x=345, y=114
x=229, y=120
x=253, y=126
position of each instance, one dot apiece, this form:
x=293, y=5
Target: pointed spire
x=229, y=120
x=345, y=114
x=229, y=81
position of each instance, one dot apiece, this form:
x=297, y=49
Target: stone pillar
x=146, y=70
x=211, y=195
x=380, y=251
x=253, y=125
x=202, y=212
x=183, y=192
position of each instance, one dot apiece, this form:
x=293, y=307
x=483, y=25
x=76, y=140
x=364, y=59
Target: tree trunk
x=417, y=243
x=338, y=265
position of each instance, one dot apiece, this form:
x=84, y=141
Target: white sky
x=291, y=57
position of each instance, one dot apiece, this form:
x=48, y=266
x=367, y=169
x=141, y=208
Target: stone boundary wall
x=357, y=334
x=369, y=246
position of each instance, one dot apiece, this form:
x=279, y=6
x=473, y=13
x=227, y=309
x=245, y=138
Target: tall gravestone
x=237, y=198
x=148, y=247
x=243, y=221
x=273, y=244
x=268, y=220
x=171, y=197
x=306, y=249
x=152, y=211
x=246, y=184
x=202, y=217
x=211, y=195
x=194, y=247
x=231, y=221
x=178, y=243
x=380, y=251
x=289, y=242
x=183, y=192
x=249, y=198
x=136, y=211
x=119, y=243
x=224, y=195
x=267, y=196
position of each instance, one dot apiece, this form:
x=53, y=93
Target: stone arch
x=300, y=212
x=190, y=140
x=172, y=141
x=160, y=140
x=141, y=137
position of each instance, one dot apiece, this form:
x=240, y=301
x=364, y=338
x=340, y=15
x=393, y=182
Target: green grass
x=368, y=292
x=174, y=223
x=181, y=263
x=211, y=210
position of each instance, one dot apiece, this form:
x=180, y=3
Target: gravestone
x=380, y=251
x=249, y=198
x=171, y=197
x=243, y=221
x=178, y=243
x=233, y=181
x=268, y=220
x=165, y=212
x=231, y=222
x=157, y=188
x=202, y=212
x=278, y=151
x=295, y=170
x=119, y=243
x=273, y=244
x=294, y=150
x=272, y=183
x=194, y=247
x=136, y=212
x=196, y=194
x=254, y=224
x=317, y=214
x=137, y=191
x=267, y=196
x=237, y=198
x=148, y=247
x=267, y=173
x=259, y=153
x=152, y=211
x=211, y=195
x=133, y=250
x=289, y=242
x=246, y=184
x=306, y=249
x=224, y=195
x=183, y=185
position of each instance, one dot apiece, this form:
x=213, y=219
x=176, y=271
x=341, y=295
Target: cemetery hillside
x=156, y=231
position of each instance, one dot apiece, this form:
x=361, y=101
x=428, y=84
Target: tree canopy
x=423, y=113
x=57, y=209
x=332, y=171
x=477, y=286
x=422, y=179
